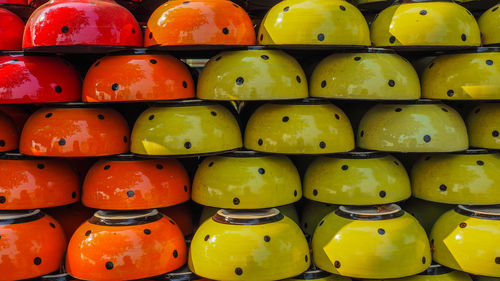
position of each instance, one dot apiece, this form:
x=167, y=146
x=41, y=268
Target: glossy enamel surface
x=31, y=245
x=135, y=184
x=9, y=136
x=312, y=213
x=137, y=78
x=412, y=128
x=199, y=22
x=484, y=126
x=383, y=76
x=272, y=251
x=185, y=130
x=33, y=184
x=116, y=252
x=429, y=23
x=318, y=22
x=252, y=75
x=390, y=247
x=426, y=212
x=458, y=178
x=75, y=132
x=300, y=128
x=287, y=210
x=11, y=30
x=246, y=182
x=489, y=24
x=368, y=181
x=31, y=79
x=468, y=242
x=466, y=76
x=95, y=22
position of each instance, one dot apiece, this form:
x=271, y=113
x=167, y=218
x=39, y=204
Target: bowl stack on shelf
x=317, y=139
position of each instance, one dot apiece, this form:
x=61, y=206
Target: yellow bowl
x=357, y=178
x=430, y=23
x=312, y=213
x=489, y=24
x=314, y=22
x=372, y=74
x=472, y=75
x=301, y=127
x=246, y=180
x=318, y=275
x=435, y=272
x=371, y=242
x=185, y=128
x=467, y=239
x=425, y=126
x=426, y=212
x=484, y=126
x=287, y=210
x=470, y=177
x=249, y=245
x=261, y=75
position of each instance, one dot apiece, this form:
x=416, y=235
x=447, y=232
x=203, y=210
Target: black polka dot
x=443, y=187
x=175, y=254
x=109, y=265
x=213, y=113
x=444, y=109
x=133, y=31
x=427, y=138
x=147, y=231
x=464, y=37
x=495, y=133
x=342, y=8
x=323, y=84
x=236, y=6
x=431, y=65
x=236, y=201
x=210, y=164
x=225, y=30
x=322, y=145
x=286, y=9
x=450, y=93
x=58, y=89
x=187, y=145
x=398, y=109
x=48, y=115
x=64, y=29
x=336, y=264
x=151, y=35
x=107, y=167
x=391, y=83
x=130, y=193
x=73, y=195
x=115, y=87
x=362, y=133
x=100, y=116
x=267, y=238
x=185, y=3
x=218, y=58
x=480, y=163
x=185, y=188
x=62, y=142
x=497, y=260
x=357, y=58
x=381, y=231
x=298, y=79
x=151, y=117
x=207, y=237
x=40, y=166
x=37, y=261
x=153, y=61
x=489, y=62
x=321, y=223
x=382, y=194
x=392, y=39
x=52, y=225
x=345, y=167
x=125, y=139
x=494, y=9
x=337, y=116
x=285, y=119
x=321, y=37
x=260, y=142
x=463, y=225
x=2, y=199
x=159, y=166
x=240, y=81
x=295, y=193
x=396, y=162
x=424, y=260
x=238, y=271
x=423, y=12
x=261, y=171
x=184, y=84
x=264, y=57
x=88, y=233
x=172, y=222
x=2, y=143
x=97, y=63
x=261, y=37
x=315, y=192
